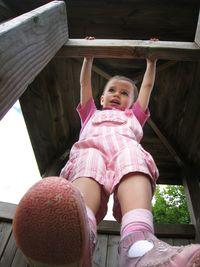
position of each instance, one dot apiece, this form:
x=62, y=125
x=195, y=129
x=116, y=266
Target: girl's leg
x=90, y=191
x=138, y=246
x=135, y=192
x=135, y=195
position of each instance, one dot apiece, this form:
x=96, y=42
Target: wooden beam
x=27, y=44
x=166, y=143
x=188, y=51
x=7, y=212
x=197, y=35
x=161, y=230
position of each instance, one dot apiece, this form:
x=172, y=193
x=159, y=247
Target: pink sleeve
x=86, y=111
x=140, y=115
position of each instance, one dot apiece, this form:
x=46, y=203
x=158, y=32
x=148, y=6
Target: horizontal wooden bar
x=27, y=44
x=188, y=51
x=161, y=230
x=7, y=211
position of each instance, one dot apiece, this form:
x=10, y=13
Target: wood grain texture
x=27, y=44
x=130, y=49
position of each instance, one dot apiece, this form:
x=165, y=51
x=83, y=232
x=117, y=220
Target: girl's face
x=118, y=93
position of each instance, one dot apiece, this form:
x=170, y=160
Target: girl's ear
x=102, y=100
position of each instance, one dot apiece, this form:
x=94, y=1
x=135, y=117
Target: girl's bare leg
x=90, y=191
x=135, y=192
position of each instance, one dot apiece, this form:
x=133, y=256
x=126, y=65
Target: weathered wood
x=197, y=35
x=100, y=254
x=130, y=49
x=28, y=43
x=161, y=230
x=5, y=233
x=7, y=211
x=113, y=256
x=166, y=143
x=9, y=253
x=19, y=260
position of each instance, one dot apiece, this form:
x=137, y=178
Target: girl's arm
x=85, y=80
x=147, y=84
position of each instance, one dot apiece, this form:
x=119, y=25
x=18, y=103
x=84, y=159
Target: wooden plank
x=28, y=43
x=113, y=244
x=197, y=35
x=130, y=49
x=100, y=254
x=112, y=227
x=9, y=253
x=175, y=230
x=19, y=260
x=7, y=211
x=5, y=233
x=161, y=230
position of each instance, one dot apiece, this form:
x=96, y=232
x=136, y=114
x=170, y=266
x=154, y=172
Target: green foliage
x=170, y=205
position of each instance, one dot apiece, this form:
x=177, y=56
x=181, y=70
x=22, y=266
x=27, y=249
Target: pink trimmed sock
x=136, y=220
x=92, y=220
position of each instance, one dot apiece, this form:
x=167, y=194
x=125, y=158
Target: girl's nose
x=116, y=93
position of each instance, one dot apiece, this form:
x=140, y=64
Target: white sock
x=140, y=248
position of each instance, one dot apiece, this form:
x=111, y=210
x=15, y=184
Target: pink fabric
x=88, y=110
x=92, y=220
x=137, y=220
x=108, y=149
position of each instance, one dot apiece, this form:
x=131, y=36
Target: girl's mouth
x=115, y=102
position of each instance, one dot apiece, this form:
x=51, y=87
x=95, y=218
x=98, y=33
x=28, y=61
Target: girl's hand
x=90, y=38
x=89, y=58
x=151, y=59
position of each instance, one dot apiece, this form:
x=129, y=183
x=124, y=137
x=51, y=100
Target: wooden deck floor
x=106, y=253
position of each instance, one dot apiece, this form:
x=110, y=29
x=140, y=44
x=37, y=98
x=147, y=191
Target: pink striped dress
x=109, y=148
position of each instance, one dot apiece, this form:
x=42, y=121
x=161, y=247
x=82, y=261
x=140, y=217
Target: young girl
x=55, y=223
x=109, y=159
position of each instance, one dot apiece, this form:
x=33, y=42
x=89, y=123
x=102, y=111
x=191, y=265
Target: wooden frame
x=188, y=51
x=28, y=43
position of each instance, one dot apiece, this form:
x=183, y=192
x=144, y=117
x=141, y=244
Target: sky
x=18, y=167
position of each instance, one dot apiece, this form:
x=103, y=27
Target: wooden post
x=27, y=44
x=192, y=189
x=197, y=35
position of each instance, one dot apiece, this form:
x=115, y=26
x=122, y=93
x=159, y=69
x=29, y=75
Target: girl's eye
x=111, y=90
x=124, y=93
